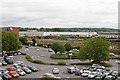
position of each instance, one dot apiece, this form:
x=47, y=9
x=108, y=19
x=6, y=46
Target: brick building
x=14, y=29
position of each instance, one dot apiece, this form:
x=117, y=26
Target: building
x=109, y=34
x=70, y=34
x=14, y=29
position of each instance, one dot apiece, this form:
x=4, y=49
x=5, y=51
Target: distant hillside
x=71, y=29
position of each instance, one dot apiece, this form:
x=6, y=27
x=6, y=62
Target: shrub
x=47, y=78
x=38, y=61
x=106, y=64
x=81, y=63
x=23, y=53
x=61, y=63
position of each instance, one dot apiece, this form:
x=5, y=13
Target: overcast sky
x=59, y=13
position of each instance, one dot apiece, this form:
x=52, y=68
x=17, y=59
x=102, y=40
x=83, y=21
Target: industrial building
x=109, y=34
x=70, y=34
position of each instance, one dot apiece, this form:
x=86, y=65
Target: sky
x=59, y=13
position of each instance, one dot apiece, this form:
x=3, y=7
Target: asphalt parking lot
x=48, y=68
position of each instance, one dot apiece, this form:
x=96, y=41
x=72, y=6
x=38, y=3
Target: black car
x=34, y=69
x=6, y=77
x=26, y=70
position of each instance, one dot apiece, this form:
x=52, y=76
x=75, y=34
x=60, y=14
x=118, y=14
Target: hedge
x=41, y=62
x=64, y=56
x=47, y=78
x=61, y=63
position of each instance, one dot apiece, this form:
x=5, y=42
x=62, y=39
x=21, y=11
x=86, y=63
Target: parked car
x=4, y=63
x=8, y=60
x=71, y=70
x=11, y=69
x=109, y=77
x=75, y=50
x=78, y=72
x=17, y=66
x=50, y=50
x=6, y=77
x=2, y=70
x=115, y=74
x=1, y=78
x=86, y=68
x=55, y=71
x=26, y=70
x=95, y=65
x=13, y=74
x=20, y=72
x=111, y=54
x=0, y=64
x=22, y=65
x=85, y=73
x=92, y=75
x=34, y=69
x=100, y=77
x=107, y=71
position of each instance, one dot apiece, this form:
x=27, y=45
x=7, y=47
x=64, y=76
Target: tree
x=56, y=47
x=96, y=49
x=10, y=41
x=68, y=47
x=34, y=41
x=23, y=40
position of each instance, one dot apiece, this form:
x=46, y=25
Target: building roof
x=109, y=33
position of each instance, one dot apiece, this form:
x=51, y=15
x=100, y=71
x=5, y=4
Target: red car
x=22, y=65
x=11, y=69
x=13, y=74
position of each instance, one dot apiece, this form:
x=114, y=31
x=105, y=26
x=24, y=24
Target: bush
x=81, y=63
x=106, y=64
x=114, y=57
x=61, y=63
x=47, y=78
x=38, y=61
x=23, y=53
x=76, y=47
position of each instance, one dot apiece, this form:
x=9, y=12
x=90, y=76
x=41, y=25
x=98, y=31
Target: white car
x=117, y=61
x=92, y=75
x=20, y=72
x=0, y=64
x=75, y=50
x=85, y=73
x=55, y=71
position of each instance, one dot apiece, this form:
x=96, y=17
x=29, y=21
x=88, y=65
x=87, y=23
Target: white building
x=35, y=34
x=109, y=34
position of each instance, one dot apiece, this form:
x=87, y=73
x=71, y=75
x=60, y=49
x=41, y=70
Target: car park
x=55, y=71
x=6, y=77
x=26, y=70
x=13, y=74
x=34, y=69
x=20, y=72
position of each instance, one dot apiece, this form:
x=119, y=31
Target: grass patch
x=47, y=78
x=114, y=57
